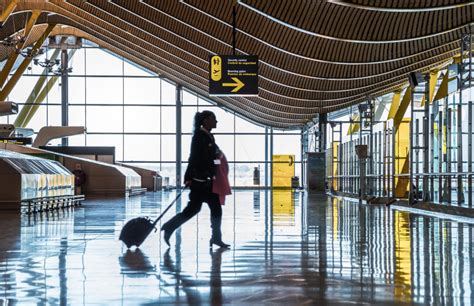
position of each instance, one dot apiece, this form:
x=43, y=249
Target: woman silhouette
x=199, y=177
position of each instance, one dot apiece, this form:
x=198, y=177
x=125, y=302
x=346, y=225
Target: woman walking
x=199, y=177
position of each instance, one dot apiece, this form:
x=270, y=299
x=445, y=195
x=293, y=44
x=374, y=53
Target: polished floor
x=302, y=250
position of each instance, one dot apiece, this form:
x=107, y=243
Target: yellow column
x=21, y=69
x=354, y=126
x=8, y=11
x=19, y=46
x=395, y=104
x=33, y=97
x=39, y=100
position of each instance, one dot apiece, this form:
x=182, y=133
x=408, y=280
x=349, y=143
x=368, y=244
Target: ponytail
x=199, y=118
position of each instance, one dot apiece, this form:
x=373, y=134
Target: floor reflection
x=288, y=248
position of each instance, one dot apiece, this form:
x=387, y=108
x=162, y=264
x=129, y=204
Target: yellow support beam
x=42, y=95
x=354, y=126
x=8, y=11
x=29, y=26
x=7, y=68
x=33, y=97
x=432, y=86
x=21, y=69
x=433, y=81
x=401, y=186
x=397, y=119
x=443, y=88
x=395, y=104
x=402, y=157
x=19, y=46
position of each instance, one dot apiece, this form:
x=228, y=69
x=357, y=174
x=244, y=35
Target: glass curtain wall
x=134, y=110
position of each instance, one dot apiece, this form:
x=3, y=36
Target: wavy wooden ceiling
x=315, y=56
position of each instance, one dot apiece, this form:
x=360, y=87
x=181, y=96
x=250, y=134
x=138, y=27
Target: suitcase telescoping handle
x=169, y=206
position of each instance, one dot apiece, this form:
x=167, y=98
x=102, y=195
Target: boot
x=217, y=235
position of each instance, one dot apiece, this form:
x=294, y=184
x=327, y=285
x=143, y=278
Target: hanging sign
x=233, y=75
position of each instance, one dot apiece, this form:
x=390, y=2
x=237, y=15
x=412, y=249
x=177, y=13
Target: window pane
x=54, y=115
x=77, y=140
x=54, y=93
x=142, y=91
x=77, y=115
x=142, y=147
x=226, y=144
x=107, y=140
x=243, y=126
x=104, y=119
x=142, y=119
x=77, y=91
x=22, y=89
x=244, y=174
x=169, y=170
x=189, y=98
x=168, y=148
x=187, y=118
x=39, y=119
x=225, y=120
x=130, y=68
x=12, y=118
x=231, y=174
x=168, y=93
x=185, y=147
x=287, y=144
x=104, y=90
x=204, y=103
x=101, y=62
x=168, y=119
x=250, y=147
x=77, y=62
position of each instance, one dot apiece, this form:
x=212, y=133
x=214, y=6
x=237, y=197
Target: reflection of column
x=283, y=206
x=215, y=279
x=62, y=272
x=335, y=218
x=402, y=275
x=178, y=233
x=428, y=256
x=268, y=226
x=317, y=220
x=470, y=263
x=256, y=203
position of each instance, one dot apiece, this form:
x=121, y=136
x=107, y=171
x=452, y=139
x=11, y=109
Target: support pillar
x=323, y=120
x=426, y=139
x=64, y=93
x=179, y=95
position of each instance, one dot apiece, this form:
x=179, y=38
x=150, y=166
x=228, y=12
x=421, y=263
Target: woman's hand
x=188, y=183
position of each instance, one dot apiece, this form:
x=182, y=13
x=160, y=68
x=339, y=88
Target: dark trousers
x=200, y=193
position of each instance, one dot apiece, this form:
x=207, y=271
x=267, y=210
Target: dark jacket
x=201, y=159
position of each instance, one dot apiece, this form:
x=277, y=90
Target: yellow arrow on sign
x=238, y=85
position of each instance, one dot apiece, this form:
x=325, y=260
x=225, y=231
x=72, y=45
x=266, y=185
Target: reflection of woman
x=188, y=285
x=199, y=176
